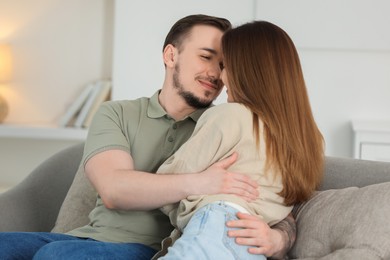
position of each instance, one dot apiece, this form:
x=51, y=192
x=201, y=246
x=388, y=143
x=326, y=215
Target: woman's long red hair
x=264, y=73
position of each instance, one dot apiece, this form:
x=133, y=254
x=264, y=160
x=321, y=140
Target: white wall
x=58, y=47
x=344, y=48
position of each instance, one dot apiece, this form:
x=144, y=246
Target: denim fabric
x=41, y=245
x=205, y=237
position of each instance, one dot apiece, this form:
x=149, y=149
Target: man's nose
x=215, y=72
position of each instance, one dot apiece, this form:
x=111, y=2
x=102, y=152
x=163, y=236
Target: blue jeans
x=41, y=245
x=205, y=237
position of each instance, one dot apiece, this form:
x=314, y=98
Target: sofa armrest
x=346, y=172
x=33, y=204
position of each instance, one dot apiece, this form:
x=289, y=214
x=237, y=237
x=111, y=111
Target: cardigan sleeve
x=216, y=134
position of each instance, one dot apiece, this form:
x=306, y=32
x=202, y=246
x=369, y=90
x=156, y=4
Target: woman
x=268, y=121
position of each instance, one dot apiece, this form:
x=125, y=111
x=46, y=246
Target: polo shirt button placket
x=171, y=138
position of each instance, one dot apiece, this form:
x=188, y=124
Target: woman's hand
x=262, y=239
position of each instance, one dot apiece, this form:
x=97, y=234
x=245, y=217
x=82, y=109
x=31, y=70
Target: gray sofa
x=349, y=218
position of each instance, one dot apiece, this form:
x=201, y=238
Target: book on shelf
x=99, y=94
x=75, y=107
x=81, y=111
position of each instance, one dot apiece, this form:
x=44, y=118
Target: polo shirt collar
x=155, y=110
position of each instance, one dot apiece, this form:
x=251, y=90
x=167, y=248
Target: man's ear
x=169, y=55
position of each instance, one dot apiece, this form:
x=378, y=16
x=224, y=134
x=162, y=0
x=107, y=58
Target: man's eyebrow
x=209, y=50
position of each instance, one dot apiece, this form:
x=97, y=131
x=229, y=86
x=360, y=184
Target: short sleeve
x=105, y=132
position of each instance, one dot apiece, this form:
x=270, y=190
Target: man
x=129, y=140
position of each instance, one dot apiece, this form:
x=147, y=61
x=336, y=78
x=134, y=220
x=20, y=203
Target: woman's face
x=226, y=83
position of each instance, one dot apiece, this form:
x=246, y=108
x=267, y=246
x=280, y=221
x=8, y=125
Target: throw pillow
x=79, y=201
x=351, y=223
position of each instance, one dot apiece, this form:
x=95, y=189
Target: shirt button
x=174, y=126
x=170, y=139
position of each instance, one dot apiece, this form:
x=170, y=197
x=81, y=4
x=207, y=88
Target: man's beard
x=189, y=97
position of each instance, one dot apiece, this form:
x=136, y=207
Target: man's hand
x=262, y=239
x=218, y=180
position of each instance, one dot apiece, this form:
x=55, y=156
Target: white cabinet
x=372, y=140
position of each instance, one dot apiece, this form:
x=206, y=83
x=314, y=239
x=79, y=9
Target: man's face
x=197, y=71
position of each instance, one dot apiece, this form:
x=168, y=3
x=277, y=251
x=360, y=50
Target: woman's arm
x=272, y=242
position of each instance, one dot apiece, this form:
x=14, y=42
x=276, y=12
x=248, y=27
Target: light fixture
x=5, y=76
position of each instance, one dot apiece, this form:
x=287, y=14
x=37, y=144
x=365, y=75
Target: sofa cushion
x=79, y=201
x=350, y=223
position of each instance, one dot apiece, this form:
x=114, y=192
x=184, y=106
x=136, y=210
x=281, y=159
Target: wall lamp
x=5, y=76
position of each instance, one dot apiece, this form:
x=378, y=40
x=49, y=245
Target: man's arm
x=121, y=187
x=272, y=242
x=288, y=229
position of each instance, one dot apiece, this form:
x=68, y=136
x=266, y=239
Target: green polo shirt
x=142, y=128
